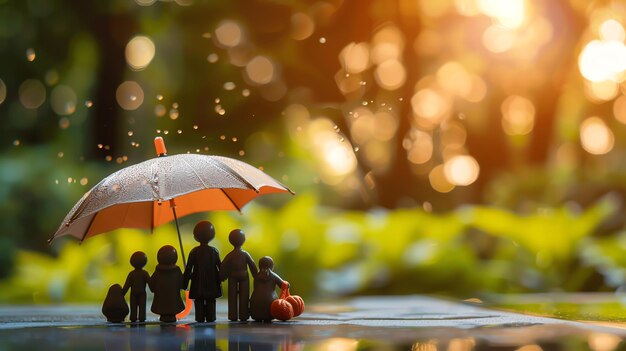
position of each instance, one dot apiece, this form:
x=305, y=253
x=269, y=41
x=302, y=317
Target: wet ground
x=376, y=323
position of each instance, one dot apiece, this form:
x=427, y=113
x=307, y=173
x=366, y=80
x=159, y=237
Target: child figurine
x=264, y=293
x=166, y=283
x=114, y=306
x=203, y=269
x=136, y=281
x=235, y=268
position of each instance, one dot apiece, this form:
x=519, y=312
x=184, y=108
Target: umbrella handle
x=180, y=240
x=188, y=304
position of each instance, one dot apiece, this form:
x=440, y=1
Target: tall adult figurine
x=235, y=268
x=203, y=269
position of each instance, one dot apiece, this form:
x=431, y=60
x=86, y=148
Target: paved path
x=399, y=322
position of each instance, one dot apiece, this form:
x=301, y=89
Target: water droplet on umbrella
x=116, y=187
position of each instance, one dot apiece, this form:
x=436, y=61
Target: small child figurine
x=203, y=269
x=114, y=306
x=235, y=268
x=166, y=283
x=265, y=283
x=136, y=281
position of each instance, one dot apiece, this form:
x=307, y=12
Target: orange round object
x=282, y=310
x=297, y=303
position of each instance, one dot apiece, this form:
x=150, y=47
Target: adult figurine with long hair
x=235, y=268
x=203, y=270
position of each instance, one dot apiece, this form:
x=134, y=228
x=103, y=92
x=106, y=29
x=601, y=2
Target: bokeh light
x=63, y=100
x=596, y=137
x=260, y=70
x=3, y=91
x=129, y=95
x=509, y=13
x=229, y=34
x=390, y=74
x=461, y=170
x=302, y=26
x=32, y=93
x=518, y=115
x=139, y=52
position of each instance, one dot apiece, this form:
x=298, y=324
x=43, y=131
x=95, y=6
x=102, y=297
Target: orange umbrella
x=159, y=190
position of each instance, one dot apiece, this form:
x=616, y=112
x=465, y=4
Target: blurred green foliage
x=325, y=253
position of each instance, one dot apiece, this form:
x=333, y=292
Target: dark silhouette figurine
x=114, y=306
x=264, y=293
x=136, y=281
x=203, y=269
x=235, y=268
x=166, y=283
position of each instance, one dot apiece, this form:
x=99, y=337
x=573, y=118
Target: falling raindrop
x=158, y=131
x=206, y=148
x=107, y=147
x=234, y=139
x=175, y=105
x=130, y=133
x=322, y=40
x=16, y=142
x=108, y=158
x=222, y=137
x=60, y=154
x=159, y=97
x=245, y=92
x=241, y=152
x=160, y=110
x=363, y=82
x=364, y=103
x=179, y=131
x=229, y=86
x=56, y=181
x=88, y=103
x=197, y=150
x=30, y=54
x=342, y=139
x=64, y=123
x=217, y=100
x=212, y=58
x=356, y=149
x=119, y=160
x=100, y=146
x=195, y=126
x=174, y=114
x=166, y=132
x=84, y=181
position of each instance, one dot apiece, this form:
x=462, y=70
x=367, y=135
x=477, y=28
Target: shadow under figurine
x=265, y=283
x=114, y=306
x=136, y=281
x=203, y=270
x=235, y=268
x=166, y=282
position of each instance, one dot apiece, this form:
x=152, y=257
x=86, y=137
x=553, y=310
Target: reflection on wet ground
x=400, y=323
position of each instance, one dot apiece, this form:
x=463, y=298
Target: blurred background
x=453, y=147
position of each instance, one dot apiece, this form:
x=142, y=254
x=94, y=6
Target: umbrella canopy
x=141, y=196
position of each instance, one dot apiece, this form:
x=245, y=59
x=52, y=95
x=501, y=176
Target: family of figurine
x=205, y=271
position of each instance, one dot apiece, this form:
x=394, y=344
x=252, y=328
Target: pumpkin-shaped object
x=282, y=310
x=297, y=303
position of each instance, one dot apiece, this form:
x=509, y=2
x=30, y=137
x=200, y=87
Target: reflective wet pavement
x=375, y=323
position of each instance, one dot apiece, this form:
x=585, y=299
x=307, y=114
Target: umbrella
x=159, y=190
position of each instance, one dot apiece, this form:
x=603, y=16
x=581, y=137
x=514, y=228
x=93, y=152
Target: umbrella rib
x=89, y=227
x=230, y=171
x=231, y=200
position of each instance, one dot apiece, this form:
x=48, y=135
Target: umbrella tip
x=159, y=145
